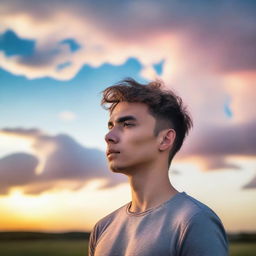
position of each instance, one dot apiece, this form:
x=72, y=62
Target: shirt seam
x=149, y=211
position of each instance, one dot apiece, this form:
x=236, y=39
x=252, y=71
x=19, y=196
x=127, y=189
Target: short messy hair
x=164, y=105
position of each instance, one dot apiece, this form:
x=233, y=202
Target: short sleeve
x=204, y=235
x=92, y=241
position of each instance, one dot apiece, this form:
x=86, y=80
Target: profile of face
x=131, y=142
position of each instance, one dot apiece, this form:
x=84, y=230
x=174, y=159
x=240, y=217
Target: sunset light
x=56, y=58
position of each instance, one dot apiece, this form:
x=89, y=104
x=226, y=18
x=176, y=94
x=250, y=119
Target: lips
x=111, y=151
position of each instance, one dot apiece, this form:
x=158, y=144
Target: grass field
x=79, y=248
x=243, y=249
x=44, y=248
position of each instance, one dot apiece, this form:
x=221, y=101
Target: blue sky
x=38, y=102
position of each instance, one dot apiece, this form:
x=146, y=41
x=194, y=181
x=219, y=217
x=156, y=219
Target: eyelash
x=128, y=124
x=124, y=125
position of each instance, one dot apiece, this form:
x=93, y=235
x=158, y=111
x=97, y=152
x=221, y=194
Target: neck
x=150, y=187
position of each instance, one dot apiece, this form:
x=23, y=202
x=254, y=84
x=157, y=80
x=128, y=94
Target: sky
x=55, y=59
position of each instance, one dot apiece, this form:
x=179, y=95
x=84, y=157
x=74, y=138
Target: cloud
x=205, y=50
x=213, y=145
x=221, y=34
x=67, y=116
x=199, y=48
x=73, y=45
x=17, y=170
x=213, y=148
x=251, y=184
x=27, y=133
x=58, y=162
x=228, y=140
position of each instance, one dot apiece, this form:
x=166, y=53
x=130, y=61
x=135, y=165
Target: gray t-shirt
x=180, y=226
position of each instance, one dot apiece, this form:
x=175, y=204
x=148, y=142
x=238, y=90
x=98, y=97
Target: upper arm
x=204, y=235
x=92, y=242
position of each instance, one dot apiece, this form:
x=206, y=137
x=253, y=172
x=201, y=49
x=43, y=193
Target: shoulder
x=101, y=226
x=201, y=230
x=188, y=208
x=103, y=223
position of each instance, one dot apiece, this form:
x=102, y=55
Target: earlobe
x=167, y=140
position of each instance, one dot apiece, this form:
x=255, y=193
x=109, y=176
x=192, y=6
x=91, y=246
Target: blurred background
x=55, y=59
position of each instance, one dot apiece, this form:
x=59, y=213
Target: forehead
x=138, y=110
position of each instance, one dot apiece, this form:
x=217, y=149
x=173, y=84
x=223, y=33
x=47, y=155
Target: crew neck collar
x=173, y=198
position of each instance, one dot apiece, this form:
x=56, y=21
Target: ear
x=167, y=139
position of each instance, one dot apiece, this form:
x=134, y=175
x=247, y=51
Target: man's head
x=164, y=106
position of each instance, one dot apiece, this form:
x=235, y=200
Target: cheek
x=142, y=141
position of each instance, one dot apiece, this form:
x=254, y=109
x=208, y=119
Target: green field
x=79, y=248
x=243, y=249
x=44, y=248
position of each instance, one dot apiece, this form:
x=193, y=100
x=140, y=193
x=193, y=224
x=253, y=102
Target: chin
x=117, y=168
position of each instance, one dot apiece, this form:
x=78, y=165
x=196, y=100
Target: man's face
x=131, y=143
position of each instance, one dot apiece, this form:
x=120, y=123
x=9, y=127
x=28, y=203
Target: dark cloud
x=223, y=141
x=17, y=170
x=214, y=144
x=216, y=162
x=40, y=58
x=27, y=54
x=71, y=160
x=44, y=57
x=66, y=161
x=222, y=32
x=251, y=184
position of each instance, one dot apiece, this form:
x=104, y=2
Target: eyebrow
x=123, y=119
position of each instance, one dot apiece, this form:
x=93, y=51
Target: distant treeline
x=242, y=237
x=20, y=235
x=8, y=236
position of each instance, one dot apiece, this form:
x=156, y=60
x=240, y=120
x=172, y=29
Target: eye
x=125, y=124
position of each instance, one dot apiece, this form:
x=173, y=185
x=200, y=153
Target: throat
x=150, y=193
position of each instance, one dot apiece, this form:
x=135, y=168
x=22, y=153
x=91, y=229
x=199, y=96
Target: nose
x=111, y=137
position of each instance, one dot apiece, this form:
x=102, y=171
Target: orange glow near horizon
x=65, y=210
x=59, y=211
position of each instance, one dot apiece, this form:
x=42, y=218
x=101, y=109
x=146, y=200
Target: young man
x=147, y=127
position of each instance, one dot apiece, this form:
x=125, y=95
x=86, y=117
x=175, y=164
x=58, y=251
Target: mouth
x=112, y=152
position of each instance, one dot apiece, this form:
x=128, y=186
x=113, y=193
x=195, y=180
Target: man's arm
x=204, y=235
x=92, y=242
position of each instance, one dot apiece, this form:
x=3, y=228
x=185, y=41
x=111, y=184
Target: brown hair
x=164, y=105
